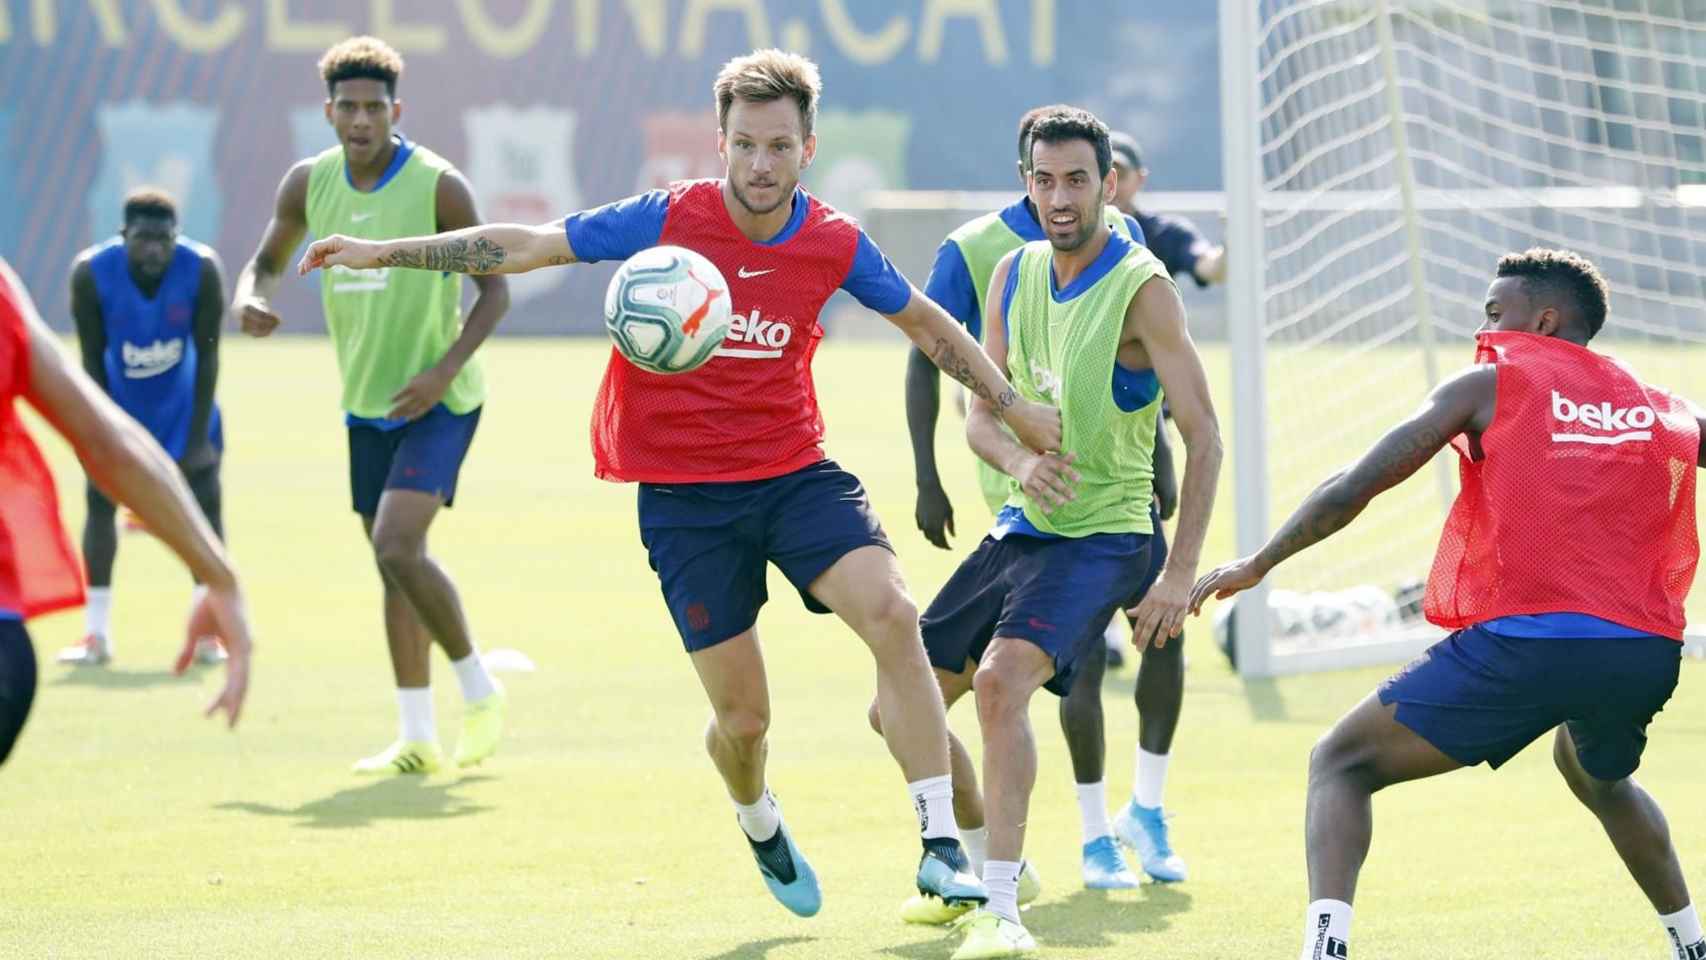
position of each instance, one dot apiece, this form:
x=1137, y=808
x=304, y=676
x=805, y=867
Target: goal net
x=1381, y=156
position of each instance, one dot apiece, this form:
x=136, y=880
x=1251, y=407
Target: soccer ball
x=667, y=309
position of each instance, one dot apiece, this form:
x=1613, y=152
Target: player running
x=412, y=386
x=1087, y=319
x=730, y=458
x=148, y=305
x=38, y=570
x=1563, y=568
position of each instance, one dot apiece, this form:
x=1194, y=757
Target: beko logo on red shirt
x=752, y=337
x=1614, y=424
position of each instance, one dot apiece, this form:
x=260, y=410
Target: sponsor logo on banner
x=167, y=145
x=857, y=152
x=521, y=162
x=680, y=145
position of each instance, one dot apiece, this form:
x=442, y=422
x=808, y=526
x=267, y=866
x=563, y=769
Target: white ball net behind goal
x=1400, y=148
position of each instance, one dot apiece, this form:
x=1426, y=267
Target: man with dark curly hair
x=1563, y=568
x=412, y=386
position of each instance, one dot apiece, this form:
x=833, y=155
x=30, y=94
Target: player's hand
x=1161, y=613
x=421, y=394
x=1036, y=425
x=934, y=513
x=338, y=250
x=222, y=615
x=1049, y=480
x=255, y=316
x=1226, y=580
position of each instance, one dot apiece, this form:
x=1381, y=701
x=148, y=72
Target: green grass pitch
x=600, y=830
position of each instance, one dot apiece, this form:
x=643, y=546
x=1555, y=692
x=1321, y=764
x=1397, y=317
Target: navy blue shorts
x=709, y=543
x=424, y=454
x=1057, y=593
x=17, y=682
x=1480, y=696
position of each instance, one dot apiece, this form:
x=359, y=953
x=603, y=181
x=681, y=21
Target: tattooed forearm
x=958, y=367
x=1338, y=500
x=456, y=255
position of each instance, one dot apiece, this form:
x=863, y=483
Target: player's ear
x=1548, y=322
x=723, y=146
x=328, y=109
x=1109, y=184
x=808, y=150
x=396, y=111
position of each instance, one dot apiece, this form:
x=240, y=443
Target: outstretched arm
x=952, y=349
x=456, y=211
x=492, y=248
x=126, y=463
x=1463, y=404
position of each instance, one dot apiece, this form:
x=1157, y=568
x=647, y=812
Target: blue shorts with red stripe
x=1056, y=592
x=1480, y=696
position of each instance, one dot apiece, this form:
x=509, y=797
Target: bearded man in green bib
x=1087, y=320
x=412, y=387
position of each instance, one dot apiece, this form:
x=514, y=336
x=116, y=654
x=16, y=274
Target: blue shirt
x=617, y=231
x=950, y=283
x=1133, y=389
x=151, y=354
x=1176, y=242
x=1547, y=625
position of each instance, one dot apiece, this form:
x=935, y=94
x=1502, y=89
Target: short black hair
x=362, y=58
x=1125, y=147
x=1561, y=273
x=1028, y=121
x=1065, y=124
x=149, y=202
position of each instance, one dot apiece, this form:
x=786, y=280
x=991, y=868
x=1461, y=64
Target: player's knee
x=999, y=693
x=1588, y=790
x=397, y=553
x=1336, y=756
x=890, y=621
x=744, y=727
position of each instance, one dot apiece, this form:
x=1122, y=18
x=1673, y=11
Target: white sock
x=1326, y=931
x=760, y=820
x=98, y=611
x=1002, y=879
x=414, y=705
x=1093, y=808
x=1116, y=633
x=471, y=675
x=976, y=843
x=933, y=798
x=1683, y=928
x=1151, y=778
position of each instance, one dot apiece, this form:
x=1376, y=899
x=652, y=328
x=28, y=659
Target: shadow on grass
x=390, y=798
x=760, y=949
x=107, y=677
x=1085, y=918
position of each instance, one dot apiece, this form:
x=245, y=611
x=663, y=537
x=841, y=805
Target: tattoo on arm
x=454, y=256
x=1338, y=500
x=958, y=367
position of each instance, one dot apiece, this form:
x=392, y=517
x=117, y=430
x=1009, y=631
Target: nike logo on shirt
x=746, y=274
x=360, y=217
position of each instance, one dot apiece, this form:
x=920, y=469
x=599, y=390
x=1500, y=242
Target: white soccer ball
x=667, y=309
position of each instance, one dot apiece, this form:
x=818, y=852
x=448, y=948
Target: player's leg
x=17, y=682
x=1104, y=866
x=209, y=495
x=416, y=748
x=422, y=478
x=1597, y=753
x=100, y=550
x=1160, y=693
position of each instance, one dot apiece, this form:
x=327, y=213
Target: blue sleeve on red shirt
x=949, y=284
x=617, y=231
x=874, y=281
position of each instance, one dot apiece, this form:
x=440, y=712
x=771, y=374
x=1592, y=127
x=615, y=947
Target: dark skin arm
x=1463, y=404
x=252, y=300
x=934, y=514
x=209, y=318
x=91, y=327
x=456, y=211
